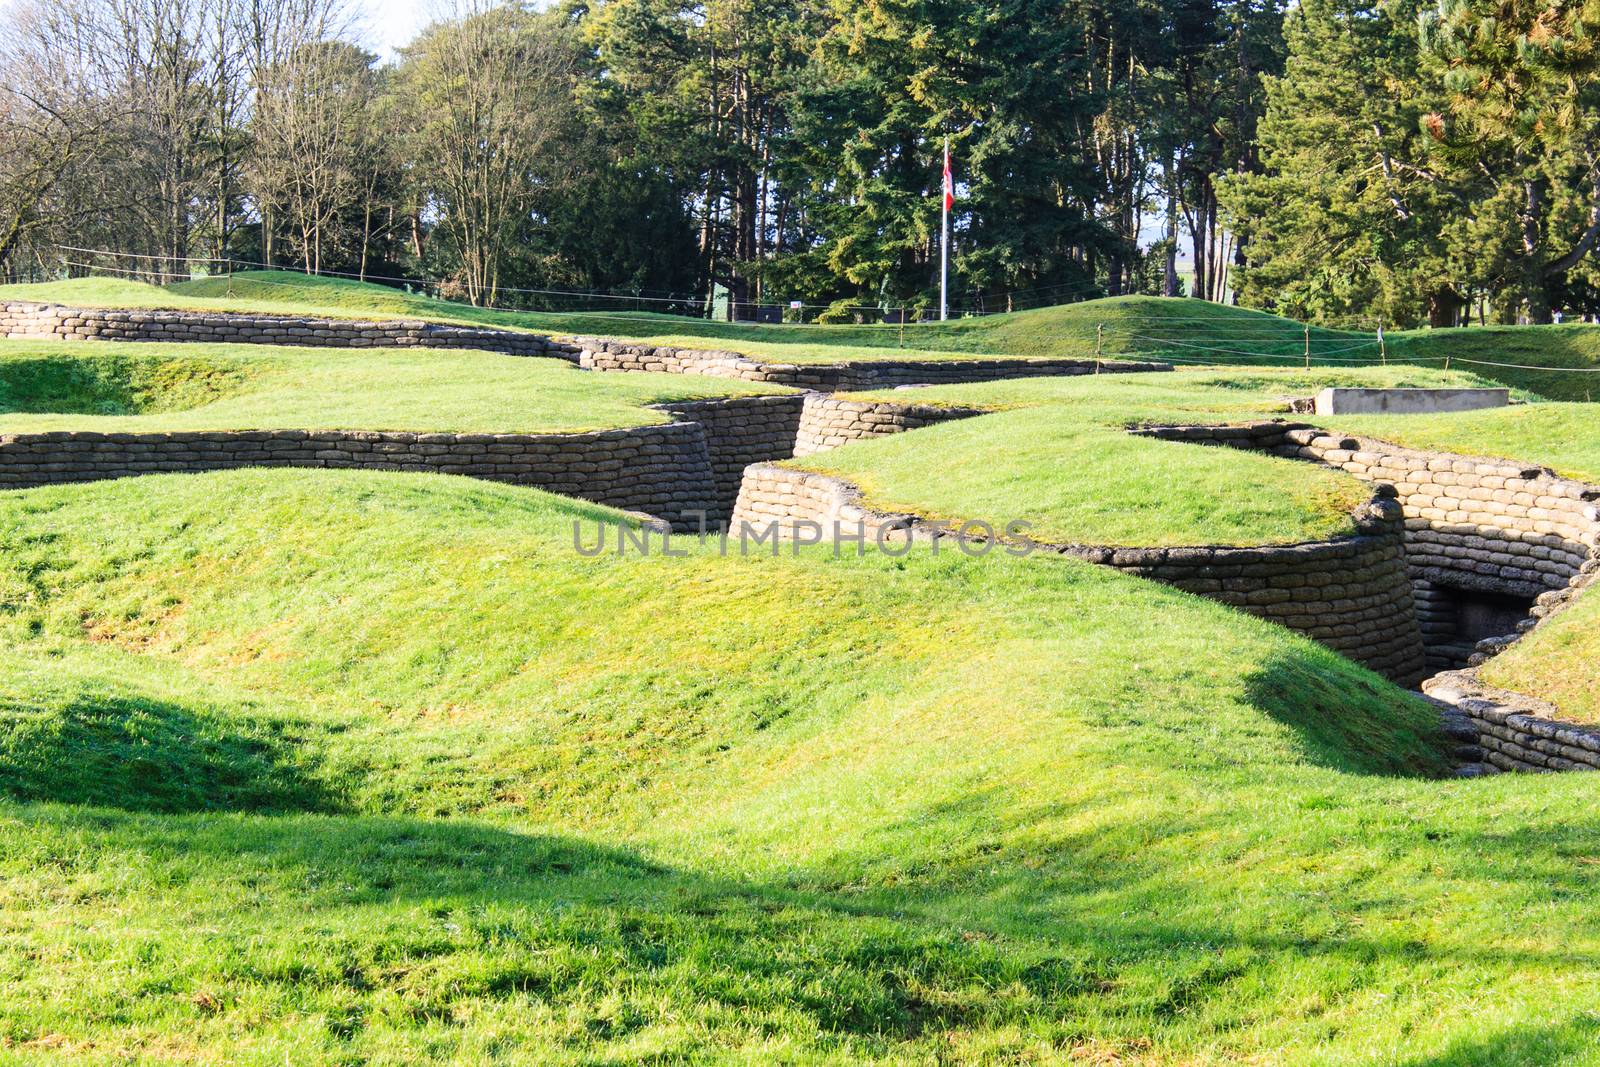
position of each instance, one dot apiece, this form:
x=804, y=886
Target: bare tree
x=268, y=33
x=314, y=138
x=52, y=119
x=486, y=97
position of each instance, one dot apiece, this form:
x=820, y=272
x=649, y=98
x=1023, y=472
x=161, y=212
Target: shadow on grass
x=374, y=905
x=127, y=750
x=1349, y=722
x=445, y=915
x=1574, y=1041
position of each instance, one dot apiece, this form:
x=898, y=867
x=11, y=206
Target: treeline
x=1400, y=161
x=1427, y=160
x=782, y=150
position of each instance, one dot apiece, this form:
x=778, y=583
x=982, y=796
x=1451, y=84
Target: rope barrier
x=688, y=300
x=1325, y=355
x=1516, y=366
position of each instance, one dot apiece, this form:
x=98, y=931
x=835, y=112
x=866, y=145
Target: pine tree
x=1007, y=83
x=1522, y=124
x=1348, y=218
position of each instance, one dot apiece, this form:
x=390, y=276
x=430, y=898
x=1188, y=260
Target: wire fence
x=1187, y=340
x=165, y=270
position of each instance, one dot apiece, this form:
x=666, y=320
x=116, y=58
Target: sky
x=386, y=24
x=391, y=24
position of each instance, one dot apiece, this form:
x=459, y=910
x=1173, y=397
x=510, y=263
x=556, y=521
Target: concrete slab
x=1408, y=401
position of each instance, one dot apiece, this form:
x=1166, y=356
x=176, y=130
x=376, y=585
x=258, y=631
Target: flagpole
x=944, y=237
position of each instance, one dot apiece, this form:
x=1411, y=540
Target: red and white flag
x=949, y=180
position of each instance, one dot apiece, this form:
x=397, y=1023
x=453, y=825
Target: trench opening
x=1454, y=620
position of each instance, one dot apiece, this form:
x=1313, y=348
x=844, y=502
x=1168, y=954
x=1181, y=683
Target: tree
x=316, y=141
x=1122, y=45
x=1348, y=218
x=51, y=122
x=707, y=88
x=1522, y=119
x=891, y=81
x=484, y=99
x=1226, y=49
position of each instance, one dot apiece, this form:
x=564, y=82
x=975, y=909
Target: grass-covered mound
x=336, y=767
x=263, y=292
x=1060, y=458
x=117, y=387
x=1188, y=332
x=1563, y=436
x=146, y=380
x=1557, y=662
x=1571, y=349
x=1126, y=326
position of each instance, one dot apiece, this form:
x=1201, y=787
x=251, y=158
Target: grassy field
x=1059, y=458
x=1131, y=324
x=278, y=792
x=331, y=767
x=117, y=387
x=1187, y=332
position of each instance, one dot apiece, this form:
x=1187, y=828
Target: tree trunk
x=1444, y=308
x=1169, y=285
x=1535, y=288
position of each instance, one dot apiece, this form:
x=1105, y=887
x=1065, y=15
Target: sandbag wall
x=53, y=321
x=740, y=431
x=1351, y=593
x=1471, y=522
x=664, y=470
x=828, y=422
x=596, y=353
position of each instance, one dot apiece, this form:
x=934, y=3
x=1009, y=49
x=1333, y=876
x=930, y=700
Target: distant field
x=1186, y=332
x=152, y=387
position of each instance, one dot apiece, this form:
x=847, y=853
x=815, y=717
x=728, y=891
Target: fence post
x=1099, y=340
x=1383, y=351
x=1308, y=346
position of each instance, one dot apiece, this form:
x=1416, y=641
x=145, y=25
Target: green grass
x=117, y=387
x=1060, y=459
x=1563, y=436
x=1575, y=346
x=1187, y=332
x=337, y=767
x=135, y=381
x=1557, y=662
x=264, y=292
x=276, y=791
x=1132, y=326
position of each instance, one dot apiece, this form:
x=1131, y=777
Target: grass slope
x=1563, y=436
x=1061, y=460
x=1188, y=332
x=117, y=387
x=1575, y=347
x=1557, y=662
x=276, y=791
x=1131, y=325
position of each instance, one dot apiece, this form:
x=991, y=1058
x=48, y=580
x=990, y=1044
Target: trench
x=1483, y=551
x=1455, y=621
x=1485, y=542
